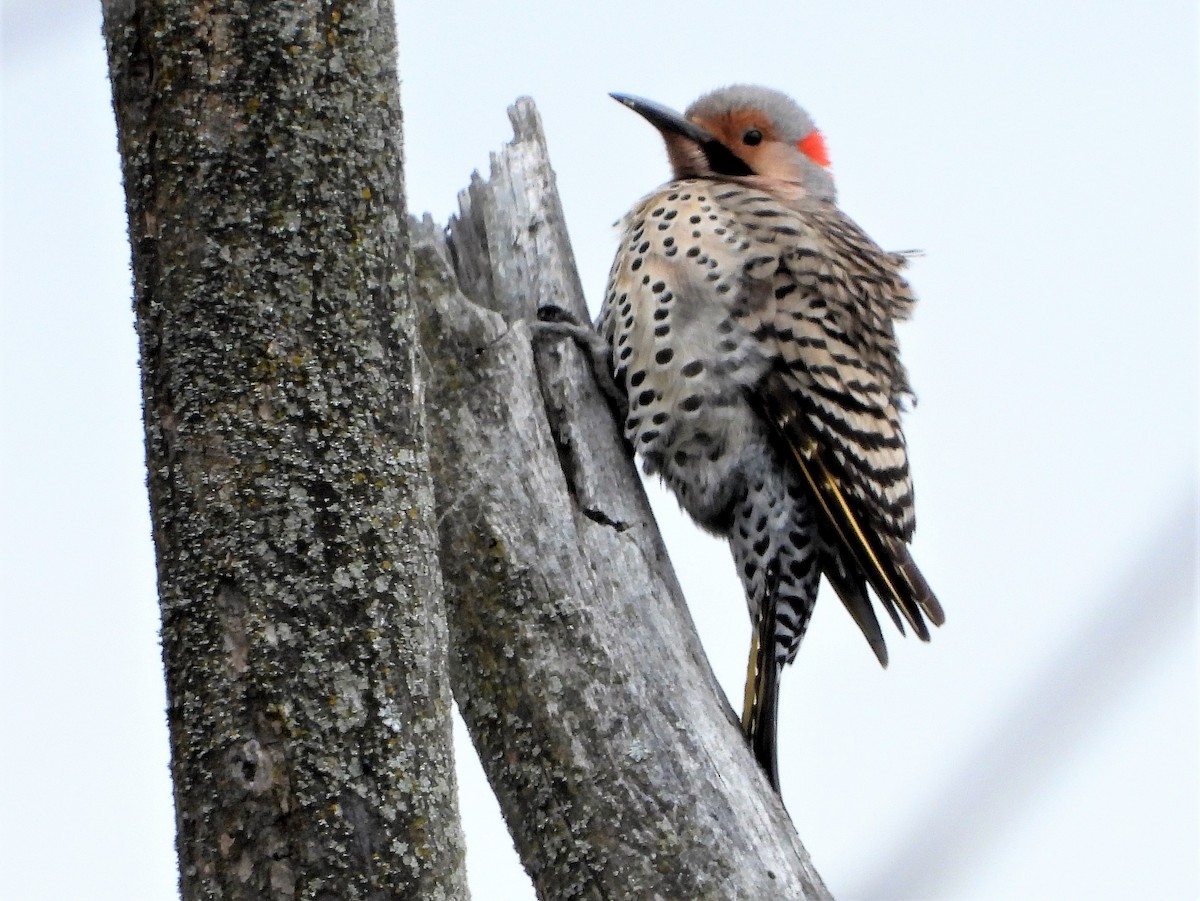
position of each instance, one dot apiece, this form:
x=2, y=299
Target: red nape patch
x=813, y=147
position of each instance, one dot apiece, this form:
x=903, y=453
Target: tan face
x=753, y=137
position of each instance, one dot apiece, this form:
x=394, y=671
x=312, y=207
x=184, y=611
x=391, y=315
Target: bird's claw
x=553, y=320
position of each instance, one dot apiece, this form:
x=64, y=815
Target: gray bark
x=618, y=764
x=303, y=626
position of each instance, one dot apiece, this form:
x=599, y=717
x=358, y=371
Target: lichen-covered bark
x=303, y=625
x=619, y=767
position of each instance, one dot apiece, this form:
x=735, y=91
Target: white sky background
x=1044, y=155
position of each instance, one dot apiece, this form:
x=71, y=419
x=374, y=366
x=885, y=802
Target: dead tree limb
x=303, y=627
x=617, y=762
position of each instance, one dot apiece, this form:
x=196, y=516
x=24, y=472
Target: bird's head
x=741, y=131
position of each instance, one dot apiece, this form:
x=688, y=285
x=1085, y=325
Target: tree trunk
x=303, y=627
x=618, y=764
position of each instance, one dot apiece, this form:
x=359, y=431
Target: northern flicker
x=749, y=323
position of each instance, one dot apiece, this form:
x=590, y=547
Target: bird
x=749, y=327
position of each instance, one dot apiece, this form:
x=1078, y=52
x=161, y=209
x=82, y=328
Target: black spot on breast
x=764, y=331
x=636, y=264
x=646, y=396
x=637, y=378
x=692, y=403
x=661, y=331
x=663, y=357
x=693, y=369
x=660, y=418
x=799, y=568
x=798, y=539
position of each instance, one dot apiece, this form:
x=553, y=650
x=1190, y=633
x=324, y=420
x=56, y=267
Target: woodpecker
x=749, y=325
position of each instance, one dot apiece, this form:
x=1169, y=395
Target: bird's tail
x=881, y=561
x=760, y=713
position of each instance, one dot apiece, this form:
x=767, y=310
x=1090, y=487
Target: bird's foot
x=553, y=320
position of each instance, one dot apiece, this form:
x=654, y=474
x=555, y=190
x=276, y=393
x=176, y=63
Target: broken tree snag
x=618, y=764
x=303, y=627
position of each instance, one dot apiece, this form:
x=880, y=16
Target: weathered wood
x=303, y=626
x=617, y=762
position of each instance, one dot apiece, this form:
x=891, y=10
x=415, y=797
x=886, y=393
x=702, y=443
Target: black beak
x=664, y=118
x=722, y=160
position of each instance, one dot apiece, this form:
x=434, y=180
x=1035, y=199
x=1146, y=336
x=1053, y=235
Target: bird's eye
x=752, y=137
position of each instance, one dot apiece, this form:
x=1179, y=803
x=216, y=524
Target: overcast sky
x=1043, y=155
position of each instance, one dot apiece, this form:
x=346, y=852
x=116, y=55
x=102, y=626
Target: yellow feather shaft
x=808, y=455
x=751, y=701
